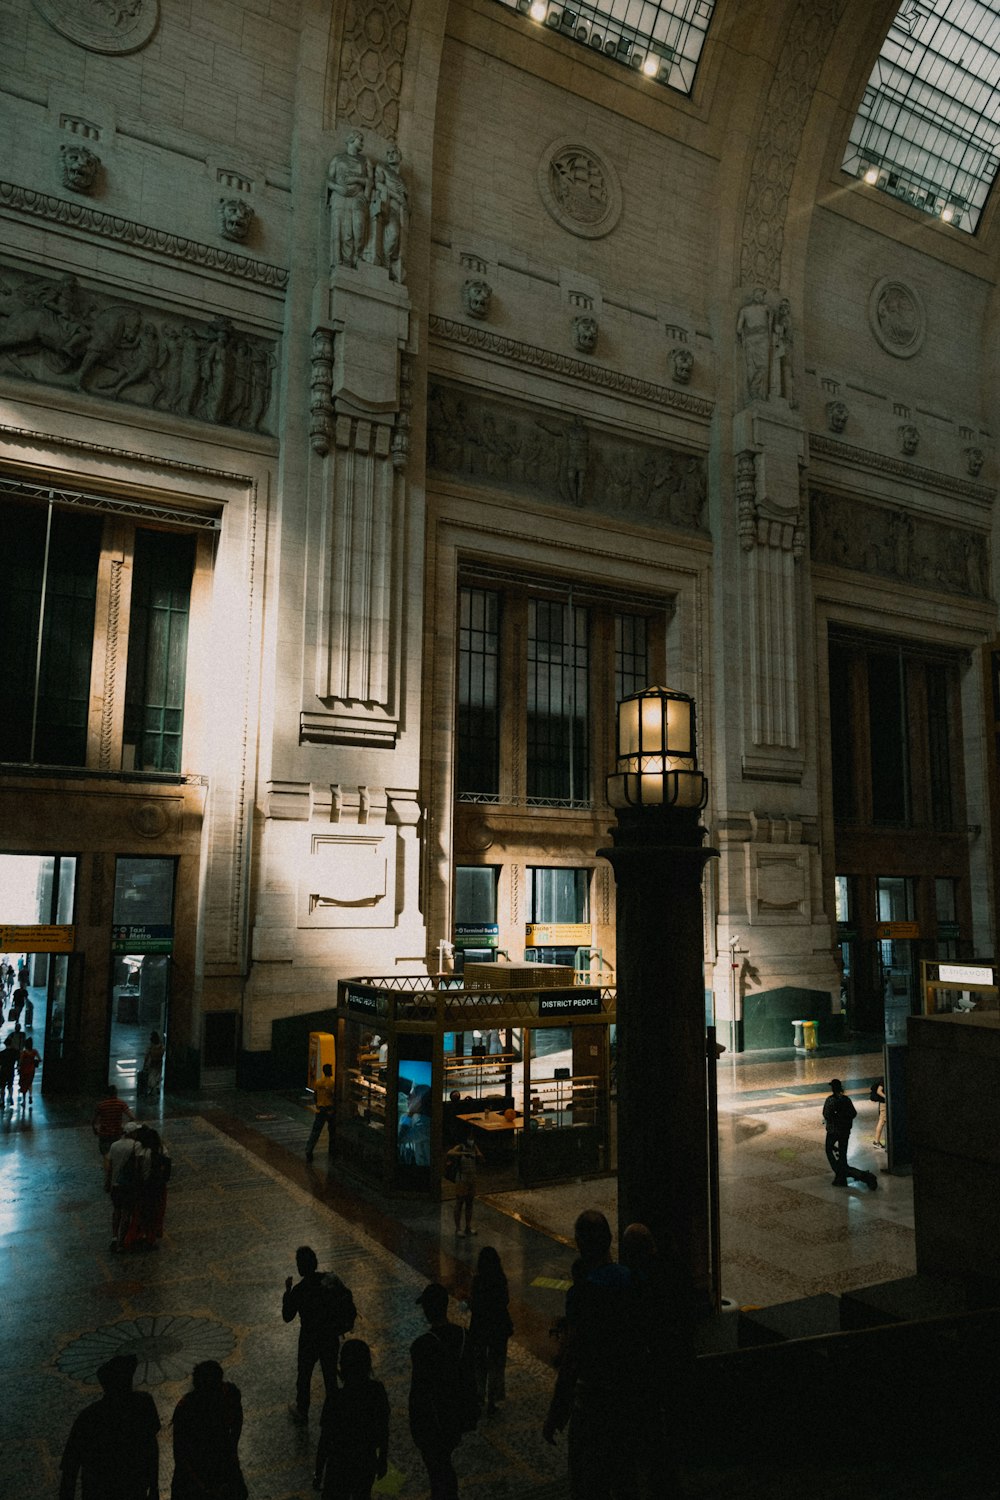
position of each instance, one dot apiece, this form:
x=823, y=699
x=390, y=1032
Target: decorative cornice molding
x=149, y=460
x=453, y=332
x=142, y=236
x=825, y=447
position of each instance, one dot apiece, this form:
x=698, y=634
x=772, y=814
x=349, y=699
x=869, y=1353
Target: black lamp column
x=658, y=857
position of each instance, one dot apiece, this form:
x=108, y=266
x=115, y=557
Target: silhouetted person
x=354, y=1430
x=602, y=1386
x=838, y=1116
x=318, y=1339
x=443, y=1401
x=324, y=1089
x=112, y=1445
x=8, y=1067
x=207, y=1424
x=489, y=1328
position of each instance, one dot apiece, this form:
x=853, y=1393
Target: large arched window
x=928, y=129
x=662, y=39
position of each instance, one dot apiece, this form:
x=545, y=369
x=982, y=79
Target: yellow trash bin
x=322, y=1049
x=809, y=1038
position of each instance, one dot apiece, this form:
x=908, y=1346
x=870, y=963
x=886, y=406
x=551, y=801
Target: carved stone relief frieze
x=54, y=331
x=370, y=75
x=891, y=542
x=110, y=26
x=562, y=460
x=580, y=188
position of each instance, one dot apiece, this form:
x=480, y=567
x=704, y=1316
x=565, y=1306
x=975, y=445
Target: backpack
x=160, y=1167
x=335, y=1304
x=873, y=1092
x=130, y=1176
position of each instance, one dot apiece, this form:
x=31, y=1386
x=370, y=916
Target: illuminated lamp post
x=659, y=859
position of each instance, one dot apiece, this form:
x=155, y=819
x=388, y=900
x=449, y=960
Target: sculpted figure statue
x=349, y=182
x=681, y=364
x=390, y=211
x=235, y=218
x=476, y=294
x=836, y=416
x=753, y=329
x=585, y=333
x=79, y=167
x=974, y=460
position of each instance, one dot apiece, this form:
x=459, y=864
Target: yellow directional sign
x=37, y=939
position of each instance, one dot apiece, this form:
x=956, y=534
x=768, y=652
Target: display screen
x=414, y=1104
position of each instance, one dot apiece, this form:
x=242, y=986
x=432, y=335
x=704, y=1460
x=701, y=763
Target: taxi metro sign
x=48, y=938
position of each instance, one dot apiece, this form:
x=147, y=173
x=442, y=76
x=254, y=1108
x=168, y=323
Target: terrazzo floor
x=242, y=1198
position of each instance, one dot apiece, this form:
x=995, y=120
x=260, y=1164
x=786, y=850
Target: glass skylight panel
x=928, y=128
x=661, y=39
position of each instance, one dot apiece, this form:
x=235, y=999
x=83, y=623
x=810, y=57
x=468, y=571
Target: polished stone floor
x=241, y=1199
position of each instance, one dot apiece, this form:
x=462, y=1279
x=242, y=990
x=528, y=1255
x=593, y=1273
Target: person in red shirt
x=109, y=1119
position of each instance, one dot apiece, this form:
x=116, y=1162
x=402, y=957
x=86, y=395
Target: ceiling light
x=539, y=10
x=871, y=176
x=649, y=67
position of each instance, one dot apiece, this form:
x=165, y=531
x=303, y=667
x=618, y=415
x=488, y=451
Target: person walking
x=112, y=1446
x=323, y=1088
x=123, y=1168
x=489, y=1328
x=443, y=1403
x=207, y=1423
x=354, y=1430
x=8, y=1067
x=878, y=1097
x=466, y=1156
x=325, y=1310
x=27, y=1065
x=144, y=1228
x=151, y=1074
x=109, y=1119
x=838, y=1116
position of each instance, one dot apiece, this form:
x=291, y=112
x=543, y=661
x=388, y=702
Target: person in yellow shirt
x=323, y=1088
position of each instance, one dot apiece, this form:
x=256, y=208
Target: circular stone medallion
x=897, y=318
x=167, y=1347
x=579, y=188
x=102, y=25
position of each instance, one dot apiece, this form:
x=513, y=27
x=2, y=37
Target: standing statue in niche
x=782, y=383
x=389, y=213
x=350, y=182
x=753, y=329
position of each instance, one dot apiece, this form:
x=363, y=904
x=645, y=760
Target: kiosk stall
x=424, y=1060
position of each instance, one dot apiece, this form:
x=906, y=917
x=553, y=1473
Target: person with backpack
x=838, y=1116
x=354, y=1430
x=207, y=1423
x=122, y=1179
x=149, y=1204
x=443, y=1402
x=325, y=1310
